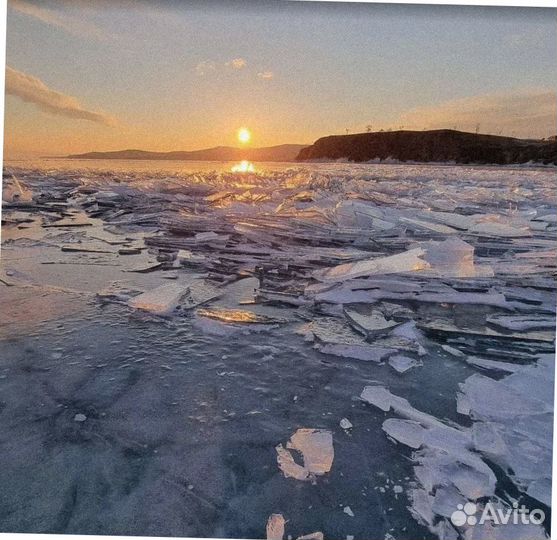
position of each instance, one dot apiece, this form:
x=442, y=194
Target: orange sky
x=185, y=75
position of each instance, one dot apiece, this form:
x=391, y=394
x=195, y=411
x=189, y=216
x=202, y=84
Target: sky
x=183, y=75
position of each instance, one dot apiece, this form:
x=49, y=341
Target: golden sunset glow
x=244, y=135
x=243, y=167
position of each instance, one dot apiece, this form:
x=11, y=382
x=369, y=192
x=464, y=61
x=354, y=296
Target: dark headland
x=442, y=145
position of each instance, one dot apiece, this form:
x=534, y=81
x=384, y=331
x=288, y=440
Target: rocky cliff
x=428, y=146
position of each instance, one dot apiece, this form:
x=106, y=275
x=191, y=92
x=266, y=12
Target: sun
x=244, y=135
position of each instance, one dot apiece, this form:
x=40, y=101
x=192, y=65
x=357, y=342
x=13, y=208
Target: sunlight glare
x=243, y=167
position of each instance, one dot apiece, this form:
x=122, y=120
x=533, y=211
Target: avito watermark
x=467, y=514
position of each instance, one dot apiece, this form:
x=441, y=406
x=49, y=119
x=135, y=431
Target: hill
x=442, y=145
x=284, y=152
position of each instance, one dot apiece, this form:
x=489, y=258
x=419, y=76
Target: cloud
x=77, y=27
x=522, y=113
x=237, y=63
x=207, y=66
x=266, y=75
x=33, y=90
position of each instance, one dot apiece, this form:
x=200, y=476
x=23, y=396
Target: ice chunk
x=199, y=292
x=487, y=439
x=407, y=432
x=541, y=491
x=439, y=325
x=316, y=448
x=408, y=331
x=450, y=258
x=238, y=316
x=146, y=267
x=358, y=352
x=452, y=350
x=161, y=300
x=355, y=214
x=421, y=506
x=514, y=422
x=472, y=483
x=185, y=256
x=210, y=237
x=445, y=501
x=521, y=323
x=239, y=292
x=275, y=527
x=453, y=258
x=490, y=399
x=90, y=247
x=215, y=328
x=336, y=338
x=130, y=251
x=348, y=511
x=409, y=261
x=369, y=325
x=78, y=220
x=15, y=191
x=492, y=364
x=380, y=397
x=428, y=226
x=491, y=228
x=311, y=536
x=401, y=363
x=117, y=292
x=462, y=404
x=345, y=423
x=328, y=330
x=448, y=218
x=550, y=218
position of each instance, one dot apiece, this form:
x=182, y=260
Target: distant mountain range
x=443, y=145
x=284, y=152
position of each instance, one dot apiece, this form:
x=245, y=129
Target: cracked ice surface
x=181, y=347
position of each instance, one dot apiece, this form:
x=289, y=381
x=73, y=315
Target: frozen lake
x=166, y=326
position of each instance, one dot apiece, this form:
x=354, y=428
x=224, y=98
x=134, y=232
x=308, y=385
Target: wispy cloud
x=237, y=63
x=72, y=25
x=205, y=67
x=33, y=90
x=523, y=113
x=266, y=75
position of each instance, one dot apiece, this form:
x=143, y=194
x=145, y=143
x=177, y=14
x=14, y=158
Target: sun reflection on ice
x=243, y=167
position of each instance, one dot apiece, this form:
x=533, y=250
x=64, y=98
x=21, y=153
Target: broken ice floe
x=238, y=316
x=369, y=325
x=512, y=429
x=332, y=336
x=346, y=424
x=381, y=264
x=448, y=471
x=449, y=258
x=14, y=191
x=521, y=323
x=162, y=299
x=166, y=298
x=275, y=527
x=402, y=364
x=316, y=449
x=514, y=423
